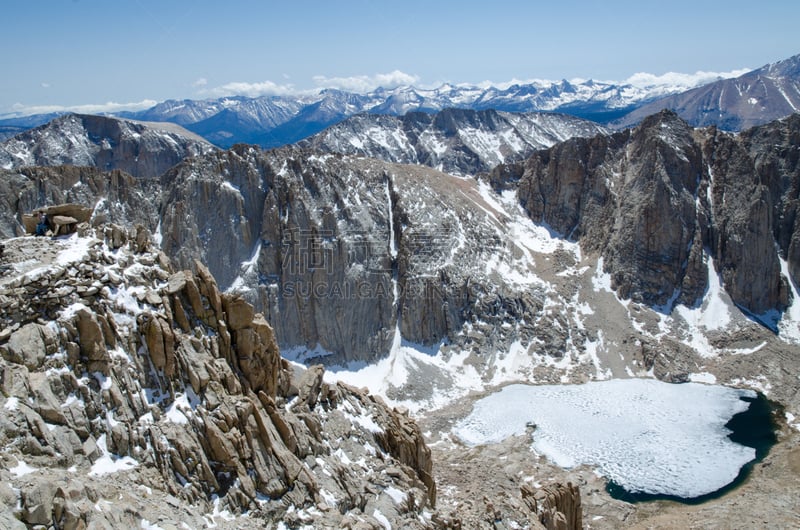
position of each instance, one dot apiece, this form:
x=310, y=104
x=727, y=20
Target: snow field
x=645, y=435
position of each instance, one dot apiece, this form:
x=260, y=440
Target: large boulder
x=30, y=344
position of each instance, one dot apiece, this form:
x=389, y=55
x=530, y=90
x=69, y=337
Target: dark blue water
x=754, y=427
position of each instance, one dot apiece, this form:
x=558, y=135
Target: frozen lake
x=643, y=435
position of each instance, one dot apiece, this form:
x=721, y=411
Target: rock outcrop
x=111, y=197
x=558, y=505
x=654, y=200
x=122, y=373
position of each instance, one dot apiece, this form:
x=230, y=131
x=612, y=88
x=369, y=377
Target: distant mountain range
x=272, y=121
x=769, y=93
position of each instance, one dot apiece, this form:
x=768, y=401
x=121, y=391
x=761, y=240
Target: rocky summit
x=136, y=393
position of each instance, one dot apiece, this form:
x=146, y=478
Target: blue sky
x=104, y=53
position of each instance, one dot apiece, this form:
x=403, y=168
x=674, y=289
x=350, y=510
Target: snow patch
x=790, y=420
x=601, y=281
x=789, y=326
x=715, y=311
x=703, y=377
x=399, y=497
x=378, y=515
x=180, y=411
x=11, y=403
x=110, y=463
x=21, y=469
x=75, y=250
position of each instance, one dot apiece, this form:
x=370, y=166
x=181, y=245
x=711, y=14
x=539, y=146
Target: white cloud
x=361, y=83
x=264, y=88
x=201, y=82
x=45, y=85
x=365, y=83
x=19, y=109
x=646, y=80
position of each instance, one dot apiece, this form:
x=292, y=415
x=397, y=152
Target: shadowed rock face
x=306, y=239
x=340, y=252
x=650, y=199
x=114, y=197
x=775, y=151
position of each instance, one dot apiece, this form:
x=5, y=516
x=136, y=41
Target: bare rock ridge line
x=112, y=362
x=769, y=93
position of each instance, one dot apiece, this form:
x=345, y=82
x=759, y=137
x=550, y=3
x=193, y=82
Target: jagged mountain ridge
x=656, y=202
x=755, y=98
x=588, y=99
x=138, y=148
x=456, y=141
x=272, y=121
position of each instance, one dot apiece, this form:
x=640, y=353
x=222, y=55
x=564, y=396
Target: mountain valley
x=247, y=338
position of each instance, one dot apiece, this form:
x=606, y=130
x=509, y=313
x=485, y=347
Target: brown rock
x=558, y=506
x=29, y=345
x=176, y=282
x=92, y=341
x=160, y=341
x=239, y=312
x=309, y=386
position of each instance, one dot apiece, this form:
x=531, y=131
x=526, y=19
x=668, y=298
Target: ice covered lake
x=647, y=437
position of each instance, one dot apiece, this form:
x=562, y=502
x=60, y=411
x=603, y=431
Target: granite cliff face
x=151, y=390
x=138, y=148
x=654, y=199
x=298, y=234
